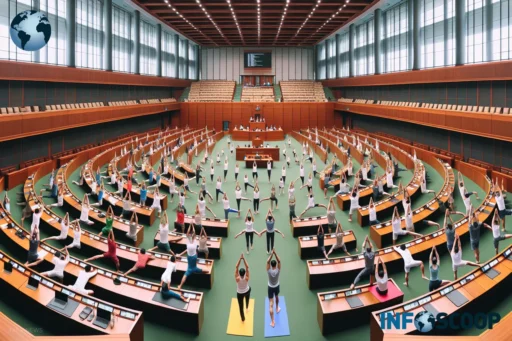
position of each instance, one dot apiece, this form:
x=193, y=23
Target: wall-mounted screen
x=258, y=59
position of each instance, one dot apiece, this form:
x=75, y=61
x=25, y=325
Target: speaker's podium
x=257, y=142
x=257, y=125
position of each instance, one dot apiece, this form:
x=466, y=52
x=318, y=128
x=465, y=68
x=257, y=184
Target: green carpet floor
x=301, y=302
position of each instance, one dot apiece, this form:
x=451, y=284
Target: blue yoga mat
x=281, y=328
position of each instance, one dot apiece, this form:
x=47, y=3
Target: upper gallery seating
x=71, y=106
x=212, y=91
x=454, y=107
x=302, y=91
x=257, y=94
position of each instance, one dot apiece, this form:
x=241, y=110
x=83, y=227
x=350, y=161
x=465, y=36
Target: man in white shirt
x=83, y=277
x=409, y=262
x=60, y=261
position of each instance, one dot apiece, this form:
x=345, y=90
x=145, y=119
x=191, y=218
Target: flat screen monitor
x=258, y=60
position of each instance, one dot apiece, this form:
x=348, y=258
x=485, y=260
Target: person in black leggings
x=256, y=199
x=254, y=171
x=269, y=170
x=243, y=290
x=291, y=203
x=272, y=198
x=246, y=183
x=270, y=231
x=249, y=231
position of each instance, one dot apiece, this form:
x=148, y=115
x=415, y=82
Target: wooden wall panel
x=15, y=126
x=486, y=125
x=304, y=116
x=268, y=109
x=184, y=115
x=287, y=117
x=50, y=73
x=236, y=113
x=217, y=119
x=296, y=114
x=226, y=114
x=329, y=114
x=175, y=120
x=313, y=115
x=200, y=118
x=321, y=116
x=278, y=116
x=467, y=73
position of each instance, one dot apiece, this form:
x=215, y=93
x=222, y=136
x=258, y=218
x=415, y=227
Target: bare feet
x=272, y=323
x=278, y=309
x=352, y=286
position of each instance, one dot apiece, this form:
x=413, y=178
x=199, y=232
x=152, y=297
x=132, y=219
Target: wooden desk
x=246, y=135
x=322, y=153
x=241, y=152
x=334, y=312
x=308, y=226
x=382, y=233
x=261, y=162
x=214, y=244
x=14, y=285
x=476, y=287
x=257, y=142
x=342, y=270
x=257, y=125
x=308, y=244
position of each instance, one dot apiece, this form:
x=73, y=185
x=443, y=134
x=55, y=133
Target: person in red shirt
x=129, y=184
x=180, y=221
x=142, y=260
x=111, y=253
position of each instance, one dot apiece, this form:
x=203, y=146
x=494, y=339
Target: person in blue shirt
x=143, y=195
x=98, y=176
x=54, y=190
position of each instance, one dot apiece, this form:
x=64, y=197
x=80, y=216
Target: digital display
x=258, y=59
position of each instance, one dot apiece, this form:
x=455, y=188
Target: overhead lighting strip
x=308, y=17
x=188, y=21
x=259, y=20
x=212, y=21
x=236, y=20
x=330, y=18
x=282, y=20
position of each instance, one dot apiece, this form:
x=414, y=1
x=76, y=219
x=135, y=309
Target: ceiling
x=236, y=22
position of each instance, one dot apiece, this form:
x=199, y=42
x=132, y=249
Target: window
x=501, y=29
x=321, y=62
x=192, y=61
x=54, y=51
x=89, y=34
x=343, y=50
x=147, y=48
x=437, y=33
x=168, y=57
x=475, y=31
x=182, y=58
x=364, y=63
x=395, y=44
x=121, y=40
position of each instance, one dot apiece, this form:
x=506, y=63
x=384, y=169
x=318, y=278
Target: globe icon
x=30, y=30
x=424, y=321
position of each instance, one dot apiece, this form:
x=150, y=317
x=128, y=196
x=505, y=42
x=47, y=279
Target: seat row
x=212, y=91
x=454, y=107
x=302, y=91
x=258, y=94
x=55, y=107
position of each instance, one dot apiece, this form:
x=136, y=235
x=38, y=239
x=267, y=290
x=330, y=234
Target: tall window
x=343, y=50
x=331, y=57
x=475, y=31
x=192, y=64
x=501, y=29
x=363, y=52
x=54, y=51
x=168, y=57
x=395, y=41
x=147, y=48
x=437, y=33
x=320, y=60
x=89, y=34
x=182, y=60
x=121, y=40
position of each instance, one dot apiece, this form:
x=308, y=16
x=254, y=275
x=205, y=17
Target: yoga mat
x=281, y=328
x=235, y=324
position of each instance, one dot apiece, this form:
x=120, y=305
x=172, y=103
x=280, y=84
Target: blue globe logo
x=30, y=30
x=424, y=321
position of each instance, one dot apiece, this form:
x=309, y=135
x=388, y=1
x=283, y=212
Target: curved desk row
x=491, y=279
x=382, y=233
x=342, y=270
x=128, y=255
x=308, y=245
x=214, y=243
x=67, y=320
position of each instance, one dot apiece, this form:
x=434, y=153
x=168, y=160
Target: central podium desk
x=242, y=152
x=257, y=125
